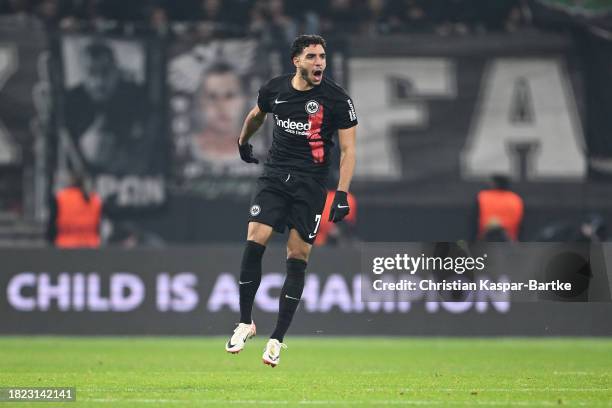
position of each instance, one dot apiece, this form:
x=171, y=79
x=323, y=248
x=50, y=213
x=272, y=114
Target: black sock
x=250, y=278
x=290, y=296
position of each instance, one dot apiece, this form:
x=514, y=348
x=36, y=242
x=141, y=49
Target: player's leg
x=258, y=236
x=298, y=252
x=268, y=209
x=304, y=219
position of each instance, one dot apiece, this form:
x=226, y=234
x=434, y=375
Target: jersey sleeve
x=264, y=98
x=344, y=113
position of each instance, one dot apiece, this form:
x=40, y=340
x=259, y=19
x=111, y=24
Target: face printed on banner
x=102, y=73
x=222, y=104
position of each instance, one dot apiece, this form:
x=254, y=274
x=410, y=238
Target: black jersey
x=304, y=124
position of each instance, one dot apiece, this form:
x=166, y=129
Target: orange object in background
x=500, y=206
x=78, y=219
x=326, y=227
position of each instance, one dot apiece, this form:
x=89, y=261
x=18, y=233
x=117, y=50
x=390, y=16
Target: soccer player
x=308, y=108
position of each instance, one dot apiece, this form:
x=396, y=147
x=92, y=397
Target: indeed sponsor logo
x=289, y=124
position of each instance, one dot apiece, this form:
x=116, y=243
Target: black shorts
x=289, y=200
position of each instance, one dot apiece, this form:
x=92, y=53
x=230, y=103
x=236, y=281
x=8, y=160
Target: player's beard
x=305, y=77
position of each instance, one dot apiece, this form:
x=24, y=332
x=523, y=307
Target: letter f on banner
x=528, y=105
x=394, y=93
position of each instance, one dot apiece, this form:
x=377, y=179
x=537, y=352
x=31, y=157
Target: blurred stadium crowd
x=366, y=17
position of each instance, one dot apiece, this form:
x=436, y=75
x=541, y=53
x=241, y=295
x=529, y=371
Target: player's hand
x=340, y=207
x=246, y=153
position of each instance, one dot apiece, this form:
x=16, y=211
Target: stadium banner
x=194, y=291
x=109, y=93
x=450, y=110
x=212, y=86
x=596, y=48
x=24, y=110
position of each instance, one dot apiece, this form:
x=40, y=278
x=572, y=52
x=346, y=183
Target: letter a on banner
x=526, y=104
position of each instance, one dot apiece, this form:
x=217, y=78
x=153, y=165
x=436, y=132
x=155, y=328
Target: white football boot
x=271, y=355
x=241, y=334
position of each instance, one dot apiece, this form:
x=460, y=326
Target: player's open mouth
x=318, y=74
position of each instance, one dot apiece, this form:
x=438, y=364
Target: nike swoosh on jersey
x=244, y=283
x=311, y=236
x=343, y=206
x=276, y=101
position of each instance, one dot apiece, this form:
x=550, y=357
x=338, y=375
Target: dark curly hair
x=305, y=40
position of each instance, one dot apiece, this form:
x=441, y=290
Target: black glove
x=340, y=207
x=246, y=153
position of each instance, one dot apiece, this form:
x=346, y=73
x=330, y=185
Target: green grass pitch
x=196, y=371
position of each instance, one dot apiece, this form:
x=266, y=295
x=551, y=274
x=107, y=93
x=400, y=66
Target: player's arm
x=340, y=206
x=346, y=138
x=253, y=121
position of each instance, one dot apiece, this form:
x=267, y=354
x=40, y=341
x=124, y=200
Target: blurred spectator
x=49, y=11
x=128, y=235
x=306, y=15
x=450, y=15
x=210, y=11
x=121, y=10
x=158, y=18
x=592, y=229
x=518, y=16
x=206, y=11
x=463, y=16
x=15, y=7
x=498, y=208
x=495, y=15
x=270, y=21
x=377, y=21
x=408, y=16
x=494, y=232
x=74, y=216
x=341, y=16
x=282, y=25
x=75, y=11
x=183, y=10
x=281, y=19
